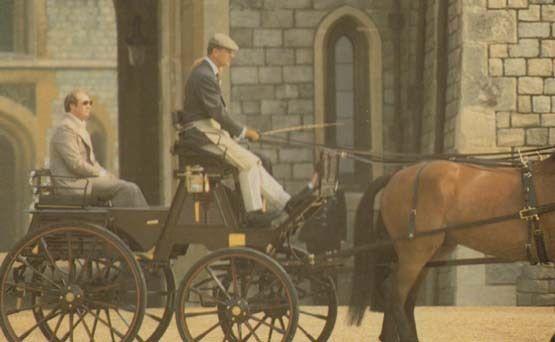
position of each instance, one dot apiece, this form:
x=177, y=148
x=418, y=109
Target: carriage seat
x=192, y=154
x=48, y=194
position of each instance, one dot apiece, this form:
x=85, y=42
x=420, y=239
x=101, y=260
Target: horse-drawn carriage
x=103, y=273
x=96, y=272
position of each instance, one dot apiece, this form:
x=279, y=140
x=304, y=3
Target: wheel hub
x=71, y=296
x=238, y=310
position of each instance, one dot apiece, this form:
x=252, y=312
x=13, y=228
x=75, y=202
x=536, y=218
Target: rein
x=494, y=159
x=536, y=247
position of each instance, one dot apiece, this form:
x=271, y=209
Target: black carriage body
x=81, y=255
x=143, y=229
x=212, y=217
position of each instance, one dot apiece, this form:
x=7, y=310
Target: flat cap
x=223, y=40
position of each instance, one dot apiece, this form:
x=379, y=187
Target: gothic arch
x=375, y=88
x=17, y=125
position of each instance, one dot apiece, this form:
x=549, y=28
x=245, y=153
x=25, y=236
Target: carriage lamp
x=136, y=43
x=195, y=179
x=196, y=182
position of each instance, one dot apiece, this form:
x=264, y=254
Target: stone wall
x=529, y=61
x=505, y=103
x=536, y=286
x=81, y=29
x=531, y=122
x=85, y=33
x=272, y=77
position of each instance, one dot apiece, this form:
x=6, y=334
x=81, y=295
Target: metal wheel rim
x=307, y=315
x=68, y=311
x=244, y=303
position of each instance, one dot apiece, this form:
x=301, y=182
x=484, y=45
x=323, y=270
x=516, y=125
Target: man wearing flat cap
x=206, y=119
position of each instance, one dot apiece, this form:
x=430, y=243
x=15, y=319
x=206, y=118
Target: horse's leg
x=389, y=329
x=411, y=299
x=413, y=256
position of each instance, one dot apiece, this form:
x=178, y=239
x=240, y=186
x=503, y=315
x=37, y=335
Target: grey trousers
x=122, y=193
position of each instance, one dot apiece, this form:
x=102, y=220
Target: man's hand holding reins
x=252, y=134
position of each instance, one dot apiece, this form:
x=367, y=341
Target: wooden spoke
x=272, y=326
x=213, y=276
x=31, y=288
x=271, y=329
x=197, y=314
x=207, y=296
x=21, y=259
x=201, y=336
x=234, y=280
x=58, y=324
x=70, y=257
x=310, y=337
x=256, y=327
x=48, y=317
x=49, y=257
x=109, y=320
x=252, y=332
x=313, y=314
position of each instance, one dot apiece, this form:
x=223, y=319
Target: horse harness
x=536, y=249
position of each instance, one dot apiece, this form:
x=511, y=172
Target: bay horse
x=448, y=193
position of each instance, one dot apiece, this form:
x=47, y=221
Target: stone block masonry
x=536, y=286
x=529, y=60
x=272, y=76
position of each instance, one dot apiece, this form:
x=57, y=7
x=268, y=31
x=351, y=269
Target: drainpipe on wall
x=396, y=23
x=417, y=92
x=442, y=69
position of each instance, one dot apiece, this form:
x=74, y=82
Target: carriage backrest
x=47, y=193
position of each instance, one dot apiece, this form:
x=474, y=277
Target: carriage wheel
x=77, y=283
x=237, y=294
x=160, y=298
x=317, y=298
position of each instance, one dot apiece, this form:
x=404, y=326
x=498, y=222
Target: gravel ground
x=465, y=324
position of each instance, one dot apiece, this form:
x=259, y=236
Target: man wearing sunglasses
x=206, y=120
x=73, y=163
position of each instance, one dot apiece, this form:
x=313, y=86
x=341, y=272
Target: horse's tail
x=364, y=273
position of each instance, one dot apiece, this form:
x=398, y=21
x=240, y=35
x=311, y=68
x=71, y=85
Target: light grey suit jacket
x=72, y=155
x=75, y=169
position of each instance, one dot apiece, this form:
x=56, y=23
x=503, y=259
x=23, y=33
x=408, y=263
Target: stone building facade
x=425, y=76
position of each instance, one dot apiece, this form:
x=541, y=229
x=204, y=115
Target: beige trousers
x=254, y=180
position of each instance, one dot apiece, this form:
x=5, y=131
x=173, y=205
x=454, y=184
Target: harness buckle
x=529, y=214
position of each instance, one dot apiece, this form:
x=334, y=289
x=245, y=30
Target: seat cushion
x=212, y=163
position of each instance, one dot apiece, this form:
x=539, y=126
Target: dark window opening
x=347, y=97
x=8, y=209
x=14, y=26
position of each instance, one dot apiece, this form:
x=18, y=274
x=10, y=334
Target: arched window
x=14, y=26
x=347, y=100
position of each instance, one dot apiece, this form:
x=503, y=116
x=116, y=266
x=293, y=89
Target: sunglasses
x=86, y=103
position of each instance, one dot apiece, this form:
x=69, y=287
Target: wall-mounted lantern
x=136, y=43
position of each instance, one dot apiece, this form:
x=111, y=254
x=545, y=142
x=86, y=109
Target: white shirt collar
x=80, y=123
x=212, y=65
